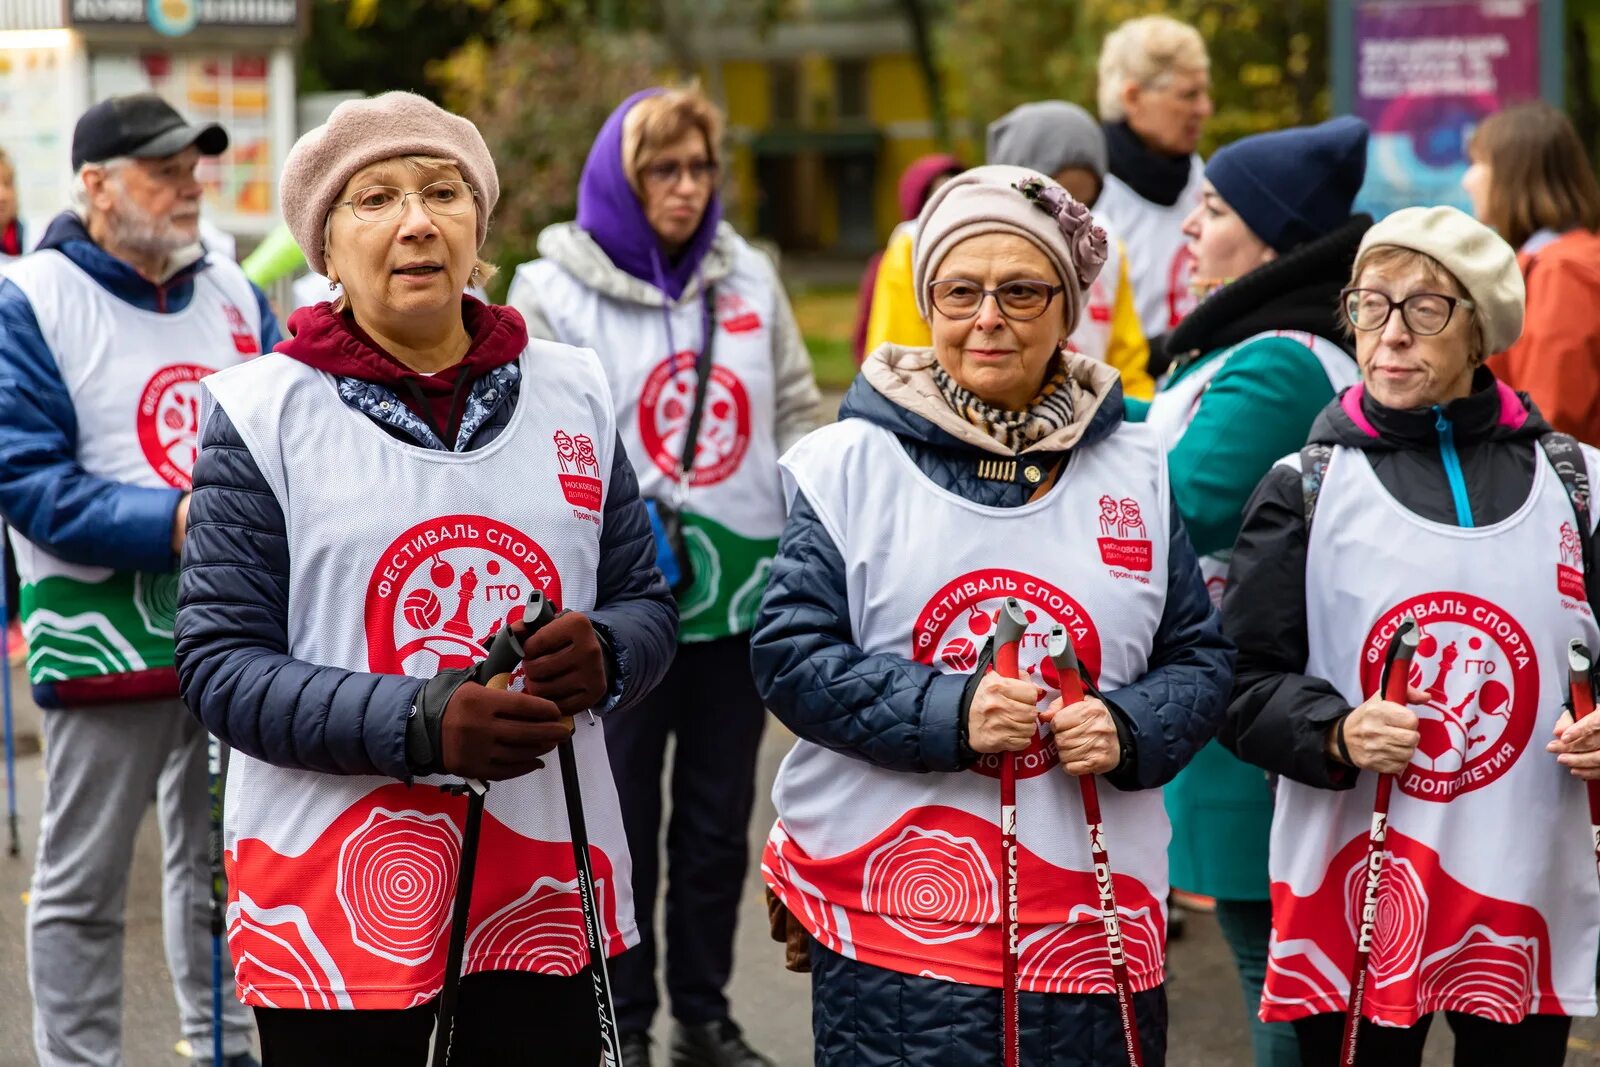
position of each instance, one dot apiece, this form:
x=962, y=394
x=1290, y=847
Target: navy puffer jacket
x=233, y=602
x=903, y=715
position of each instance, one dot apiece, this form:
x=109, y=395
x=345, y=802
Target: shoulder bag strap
x=702, y=371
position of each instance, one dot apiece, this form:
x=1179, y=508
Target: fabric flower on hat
x=1087, y=240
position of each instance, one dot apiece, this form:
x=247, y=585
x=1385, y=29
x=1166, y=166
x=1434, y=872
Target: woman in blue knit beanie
x=1273, y=240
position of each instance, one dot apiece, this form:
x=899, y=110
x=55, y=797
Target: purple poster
x=1427, y=72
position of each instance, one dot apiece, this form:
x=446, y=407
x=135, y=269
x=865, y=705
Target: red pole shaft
x=1395, y=689
x=1005, y=664
x=1072, y=693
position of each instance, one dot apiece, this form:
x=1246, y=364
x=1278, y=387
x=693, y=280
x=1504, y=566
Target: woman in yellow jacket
x=1062, y=140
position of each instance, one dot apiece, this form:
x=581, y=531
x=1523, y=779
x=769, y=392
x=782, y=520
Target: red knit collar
x=333, y=343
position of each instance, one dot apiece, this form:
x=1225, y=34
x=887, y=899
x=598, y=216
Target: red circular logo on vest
x=441, y=590
x=1482, y=678
x=664, y=409
x=953, y=626
x=168, y=421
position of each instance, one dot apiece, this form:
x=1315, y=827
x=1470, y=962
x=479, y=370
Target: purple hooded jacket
x=610, y=212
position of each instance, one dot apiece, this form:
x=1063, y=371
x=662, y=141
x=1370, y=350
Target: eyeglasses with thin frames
x=666, y=173
x=380, y=203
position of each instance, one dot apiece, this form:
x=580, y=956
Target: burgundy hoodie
x=334, y=343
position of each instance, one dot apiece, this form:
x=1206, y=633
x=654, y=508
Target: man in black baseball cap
x=141, y=126
x=121, y=301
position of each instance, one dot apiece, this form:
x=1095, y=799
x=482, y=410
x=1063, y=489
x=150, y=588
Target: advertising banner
x=1426, y=72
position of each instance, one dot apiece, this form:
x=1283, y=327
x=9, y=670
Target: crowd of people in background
x=1212, y=439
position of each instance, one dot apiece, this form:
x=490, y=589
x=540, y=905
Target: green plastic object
x=276, y=256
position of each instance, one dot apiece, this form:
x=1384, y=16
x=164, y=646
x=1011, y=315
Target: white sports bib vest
x=1093, y=336
x=734, y=505
x=1159, y=263
x=1489, y=903
x=340, y=887
x=901, y=870
x=1177, y=401
x=133, y=376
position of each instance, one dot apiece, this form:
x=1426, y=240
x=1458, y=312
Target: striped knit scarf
x=1047, y=412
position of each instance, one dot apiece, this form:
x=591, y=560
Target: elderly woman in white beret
x=995, y=464
x=370, y=503
x=1428, y=491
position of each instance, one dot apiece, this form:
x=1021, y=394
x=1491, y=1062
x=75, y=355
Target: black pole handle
x=505, y=651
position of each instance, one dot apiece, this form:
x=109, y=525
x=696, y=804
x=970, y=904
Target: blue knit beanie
x=1292, y=186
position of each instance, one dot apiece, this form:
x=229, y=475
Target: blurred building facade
x=825, y=111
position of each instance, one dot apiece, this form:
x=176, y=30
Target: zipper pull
x=1441, y=421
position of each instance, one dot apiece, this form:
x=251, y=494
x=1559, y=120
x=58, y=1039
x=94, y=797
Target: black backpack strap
x=702, y=384
x=1566, y=456
x=1314, y=459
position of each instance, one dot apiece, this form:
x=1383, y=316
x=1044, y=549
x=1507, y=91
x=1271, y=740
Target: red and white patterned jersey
x=1488, y=902
x=901, y=870
x=405, y=560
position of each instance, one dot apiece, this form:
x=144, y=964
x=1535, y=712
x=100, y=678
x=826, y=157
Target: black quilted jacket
x=233, y=607
x=897, y=713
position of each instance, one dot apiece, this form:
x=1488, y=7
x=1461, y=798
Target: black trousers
x=1536, y=1041
x=503, y=1019
x=709, y=707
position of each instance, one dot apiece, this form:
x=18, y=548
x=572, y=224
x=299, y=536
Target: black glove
x=565, y=662
x=481, y=732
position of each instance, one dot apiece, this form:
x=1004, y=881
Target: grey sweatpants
x=102, y=766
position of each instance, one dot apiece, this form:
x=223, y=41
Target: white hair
x=1147, y=52
x=80, y=191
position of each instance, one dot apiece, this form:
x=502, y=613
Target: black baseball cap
x=142, y=126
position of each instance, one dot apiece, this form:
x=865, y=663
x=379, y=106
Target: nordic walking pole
x=14, y=846
x=1059, y=647
x=1397, y=679
x=214, y=787
x=1007, y=636
x=504, y=655
x=1580, y=684
x=578, y=830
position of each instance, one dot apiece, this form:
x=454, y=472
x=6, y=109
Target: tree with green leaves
x=1269, y=61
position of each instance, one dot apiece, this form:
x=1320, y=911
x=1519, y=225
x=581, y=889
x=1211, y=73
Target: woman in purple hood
x=711, y=383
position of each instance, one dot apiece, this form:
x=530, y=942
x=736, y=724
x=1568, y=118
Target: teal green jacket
x=1257, y=410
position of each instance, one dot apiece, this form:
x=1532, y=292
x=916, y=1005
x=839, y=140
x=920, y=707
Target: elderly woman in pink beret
x=370, y=502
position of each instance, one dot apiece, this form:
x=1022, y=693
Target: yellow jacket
x=895, y=318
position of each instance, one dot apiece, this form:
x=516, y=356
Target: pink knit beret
x=362, y=132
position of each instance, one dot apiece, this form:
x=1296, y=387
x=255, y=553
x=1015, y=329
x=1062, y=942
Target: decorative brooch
x=1086, y=240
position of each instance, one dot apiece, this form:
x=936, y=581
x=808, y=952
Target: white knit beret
x=1477, y=257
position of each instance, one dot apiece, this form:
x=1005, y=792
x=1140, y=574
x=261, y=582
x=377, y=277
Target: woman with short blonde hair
x=698, y=342
x=1155, y=98
x=1431, y=492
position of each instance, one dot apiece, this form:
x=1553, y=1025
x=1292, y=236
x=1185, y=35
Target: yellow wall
x=748, y=90
x=894, y=90
x=746, y=86
x=895, y=94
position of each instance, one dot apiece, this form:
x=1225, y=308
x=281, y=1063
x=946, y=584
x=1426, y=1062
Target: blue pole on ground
x=14, y=847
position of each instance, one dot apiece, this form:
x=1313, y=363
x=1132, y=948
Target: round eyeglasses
x=380, y=203
x=1019, y=301
x=1424, y=314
